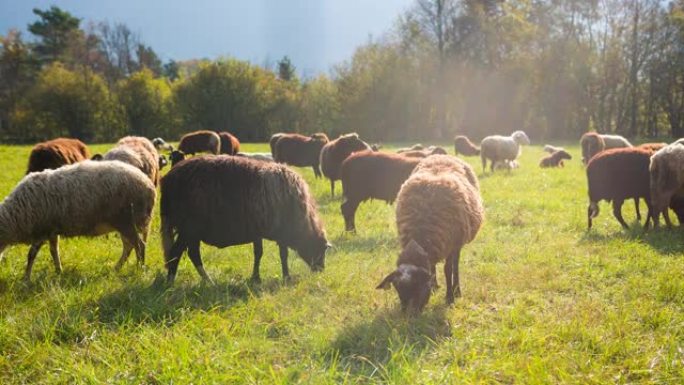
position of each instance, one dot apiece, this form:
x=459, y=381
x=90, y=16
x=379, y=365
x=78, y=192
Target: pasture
x=544, y=301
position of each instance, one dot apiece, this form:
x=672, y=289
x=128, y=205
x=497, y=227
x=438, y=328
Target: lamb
x=139, y=152
x=555, y=159
x=499, y=148
x=301, y=151
x=335, y=152
x=229, y=143
x=56, y=153
x=439, y=210
x=432, y=150
x=592, y=143
x=372, y=175
x=463, y=146
x=240, y=201
x=160, y=144
x=666, y=180
x=618, y=174
x=83, y=199
x=200, y=141
x=415, y=147
x=261, y=156
x=551, y=149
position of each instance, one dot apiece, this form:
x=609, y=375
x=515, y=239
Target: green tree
x=145, y=102
x=17, y=70
x=286, y=71
x=54, y=29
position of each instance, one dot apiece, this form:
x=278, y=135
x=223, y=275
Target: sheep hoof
x=255, y=279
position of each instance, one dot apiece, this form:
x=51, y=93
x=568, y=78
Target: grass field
x=544, y=301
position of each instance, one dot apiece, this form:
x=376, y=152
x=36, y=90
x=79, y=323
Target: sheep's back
x=619, y=173
x=78, y=199
x=369, y=174
x=200, y=141
x=615, y=141
x=439, y=210
x=499, y=148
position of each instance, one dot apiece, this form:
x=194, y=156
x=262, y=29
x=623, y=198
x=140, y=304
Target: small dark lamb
x=555, y=159
x=463, y=146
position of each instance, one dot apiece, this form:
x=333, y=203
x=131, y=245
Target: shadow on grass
x=369, y=347
x=662, y=239
x=159, y=303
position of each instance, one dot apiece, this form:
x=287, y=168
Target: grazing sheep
x=84, y=199
x=432, y=150
x=499, y=148
x=175, y=157
x=592, y=143
x=666, y=179
x=335, y=152
x=555, y=159
x=229, y=143
x=160, y=144
x=261, y=156
x=463, y=146
x=200, y=141
x=415, y=147
x=372, y=175
x=56, y=153
x=618, y=174
x=439, y=210
x=140, y=153
x=238, y=201
x=301, y=151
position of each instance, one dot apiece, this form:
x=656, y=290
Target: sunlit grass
x=544, y=301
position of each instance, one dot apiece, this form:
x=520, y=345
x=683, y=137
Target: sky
x=315, y=34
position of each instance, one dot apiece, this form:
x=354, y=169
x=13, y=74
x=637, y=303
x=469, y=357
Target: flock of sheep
x=439, y=208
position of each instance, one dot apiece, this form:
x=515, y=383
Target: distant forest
x=554, y=68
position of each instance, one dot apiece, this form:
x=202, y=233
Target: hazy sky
x=314, y=33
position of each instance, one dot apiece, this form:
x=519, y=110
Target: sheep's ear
x=97, y=157
x=385, y=284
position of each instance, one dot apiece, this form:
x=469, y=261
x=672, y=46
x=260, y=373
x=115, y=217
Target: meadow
x=544, y=301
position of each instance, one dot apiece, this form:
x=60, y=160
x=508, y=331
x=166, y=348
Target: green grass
x=544, y=301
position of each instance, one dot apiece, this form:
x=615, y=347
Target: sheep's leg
x=433, y=271
x=484, y=164
x=258, y=252
x=283, y=261
x=649, y=215
x=666, y=216
x=348, y=209
x=126, y=251
x=636, y=206
x=173, y=258
x=617, y=212
x=33, y=252
x=332, y=188
x=196, y=258
x=316, y=170
x=448, y=277
x=589, y=218
x=455, y=279
x=54, y=252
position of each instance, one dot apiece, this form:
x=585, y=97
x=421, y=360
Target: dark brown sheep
x=463, y=146
x=335, y=152
x=432, y=150
x=372, y=175
x=56, y=153
x=200, y=141
x=229, y=143
x=226, y=200
x=616, y=175
x=272, y=142
x=555, y=159
x=301, y=151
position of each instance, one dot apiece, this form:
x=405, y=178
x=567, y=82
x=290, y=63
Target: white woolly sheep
x=84, y=199
x=262, y=156
x=439, y=210
x=551, y=149
x=499, y=148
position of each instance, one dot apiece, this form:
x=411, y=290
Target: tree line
x=552, y=68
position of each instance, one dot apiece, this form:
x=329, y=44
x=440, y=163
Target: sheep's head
x=521, y=138
x=592, y=212
x=562, y=154
x=413, y=283
x=313, y=252
x=160, y=144
x=176, y=156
